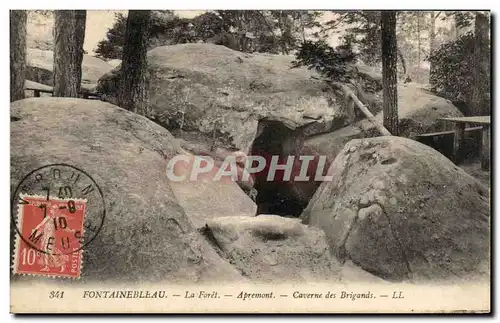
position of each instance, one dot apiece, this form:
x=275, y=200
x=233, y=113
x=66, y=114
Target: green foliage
x=363, y=30
x=45, y=13
x=291, y=25
x=451, y=75
x=209, y=25
x=161, y=22
x=366, y=34
x=247, y=31
x=453, y=63
x=463, y=19
x=333, y=64
x=112, y=46
x=279, y=31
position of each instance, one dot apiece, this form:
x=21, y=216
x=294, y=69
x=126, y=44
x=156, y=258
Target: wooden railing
x=87, y=91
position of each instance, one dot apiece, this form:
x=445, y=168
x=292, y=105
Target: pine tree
x=68, y=52
x=389, y=71
x=133, y=93
x=80, y=24
x=17, y=54
x=481, y=86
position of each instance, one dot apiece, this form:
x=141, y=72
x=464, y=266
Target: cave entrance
x=281, y=138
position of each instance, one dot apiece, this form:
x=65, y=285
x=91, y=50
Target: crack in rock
x=343, y=253
x=394, y=234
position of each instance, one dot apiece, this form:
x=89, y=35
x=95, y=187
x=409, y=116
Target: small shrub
x=333, y=64
x=451, y=74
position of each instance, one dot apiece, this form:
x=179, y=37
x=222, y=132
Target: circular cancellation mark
x=57, y=209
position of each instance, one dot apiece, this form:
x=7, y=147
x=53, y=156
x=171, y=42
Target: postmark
x=57, y=210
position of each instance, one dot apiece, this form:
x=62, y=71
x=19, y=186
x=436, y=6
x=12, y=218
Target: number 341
x=56, y=294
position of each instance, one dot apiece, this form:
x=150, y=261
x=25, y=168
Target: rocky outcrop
x=206, y=196
x=402, y=211
x=273, y=249
x=395, y=209
x=147, y=235
x=223, y=93
x=420, y=110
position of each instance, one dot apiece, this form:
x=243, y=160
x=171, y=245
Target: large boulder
x=223, y=93
x=114, y=62
x=419, y=112
x=205, y=200
x=40, y=67
x=270, y=248
x=331, y=144
x=402, y=211
x=206, y=197
x=146, y=235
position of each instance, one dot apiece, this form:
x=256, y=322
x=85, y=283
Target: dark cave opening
x=278, y=196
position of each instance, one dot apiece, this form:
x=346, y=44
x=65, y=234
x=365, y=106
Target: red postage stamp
x=51, y=236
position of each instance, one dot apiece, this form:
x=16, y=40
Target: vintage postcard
x=250, y=161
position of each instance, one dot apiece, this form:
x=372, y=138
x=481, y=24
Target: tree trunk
x=302, y=27
x=349, y=94
x=419, y=46
x=481, y=86
x=17, y=54
x=133, y=94
x=80, y=24
x=455, y=28
x=432, y=40
x=281, y=25
x=389, y=71
x=403, y=62
x=289, y=39
x=459, y=29
x=432, y=32
x=68, y=53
